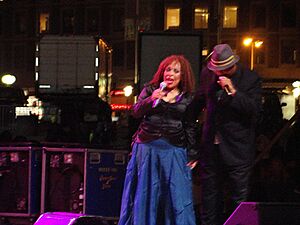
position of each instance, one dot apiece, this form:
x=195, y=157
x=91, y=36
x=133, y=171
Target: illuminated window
x=201, y=18
x=44, y=22
x=172, y=18
x=230, y=17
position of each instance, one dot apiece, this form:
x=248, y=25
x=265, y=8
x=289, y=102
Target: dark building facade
x=23, y=22
x=275, y=23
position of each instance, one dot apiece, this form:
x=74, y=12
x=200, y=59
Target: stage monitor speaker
x=63, y=179
x=265, y=213
x=81, y=180
x=154, y=47
x=65, y=218
x=20, y=180
x=105, y=175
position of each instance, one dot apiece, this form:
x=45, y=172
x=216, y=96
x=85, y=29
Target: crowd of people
x=178, y=173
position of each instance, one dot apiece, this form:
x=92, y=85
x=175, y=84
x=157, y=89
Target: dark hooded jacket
x=232, y=119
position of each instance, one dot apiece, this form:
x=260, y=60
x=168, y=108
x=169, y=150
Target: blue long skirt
x=158, y=187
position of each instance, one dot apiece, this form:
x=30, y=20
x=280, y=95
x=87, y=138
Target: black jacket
x=232, y=118
x=170, y=121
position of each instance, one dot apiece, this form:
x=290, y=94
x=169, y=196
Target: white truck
x=75, y=64
x=73, y=77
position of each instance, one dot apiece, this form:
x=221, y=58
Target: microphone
x=226, y=88
x=162, y=86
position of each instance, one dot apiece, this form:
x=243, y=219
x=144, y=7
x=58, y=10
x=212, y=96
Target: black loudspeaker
x=154, y=47
x=63, y=180
x=81, y=180
x=63, y=218
x=265, y=213
x=20, y=180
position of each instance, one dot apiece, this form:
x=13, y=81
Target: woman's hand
x=158, y=94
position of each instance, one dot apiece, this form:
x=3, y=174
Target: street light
x=296, y=89
x=250, y=42
x=296, y=93
x=8, y=79
x=128, y=90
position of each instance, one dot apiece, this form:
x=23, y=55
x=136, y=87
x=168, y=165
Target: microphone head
x=162, y=85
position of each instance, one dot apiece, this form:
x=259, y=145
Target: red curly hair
x=187, y=80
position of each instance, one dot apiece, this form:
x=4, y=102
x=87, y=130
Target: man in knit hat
x=230, y=97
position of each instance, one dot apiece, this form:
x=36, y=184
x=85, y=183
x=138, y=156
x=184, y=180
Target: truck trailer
x=76, y=64
x=73, y=78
